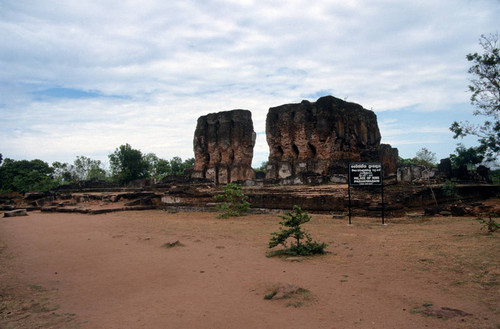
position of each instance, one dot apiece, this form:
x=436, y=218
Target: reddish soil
x=111, y=271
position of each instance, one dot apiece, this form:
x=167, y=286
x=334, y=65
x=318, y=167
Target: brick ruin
x=223, y=147
x=321, y=138
x=306, y=140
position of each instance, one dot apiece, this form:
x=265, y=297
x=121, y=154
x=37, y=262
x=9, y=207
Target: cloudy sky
x=81, y=77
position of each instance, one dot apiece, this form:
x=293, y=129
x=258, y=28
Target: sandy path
x=112, y=271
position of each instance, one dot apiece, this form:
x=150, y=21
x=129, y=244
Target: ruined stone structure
x=223, y=147
x=389, y=156
x=321, y=138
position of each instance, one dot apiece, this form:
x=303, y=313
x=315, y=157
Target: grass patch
x=271, y=294
x=36, y=287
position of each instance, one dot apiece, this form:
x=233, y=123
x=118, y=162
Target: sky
x=84, y=77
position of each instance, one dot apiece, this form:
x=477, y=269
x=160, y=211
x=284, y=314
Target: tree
x=178, y=167
x=62, y=172
x=485, y=89
x=188, y=164
x=128, y=164
x=159, y=168
x=425, y=158
x=469, y=157
x=262, y=168
x=26, y=176
x=86, y=169
x=291, y=229
x=162, y=168
x=83, y=168
x=152, y=160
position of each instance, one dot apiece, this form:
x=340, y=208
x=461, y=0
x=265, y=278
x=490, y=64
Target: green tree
x=162, y=168
x=469, y=157
x=62, y=172
x=26, y=176
x=86, y=168
x=234, y=202
x=152, y=160
x=301, y=244
x=178, y=167
x=159, y=168
x=485, y=89
x=425, y=158
x=495, y=176
x=262, y=168
x=188, y=164
x=83, y=168
x=128, y=164
x=408, y=161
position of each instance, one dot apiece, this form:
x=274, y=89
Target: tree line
x=126, y=164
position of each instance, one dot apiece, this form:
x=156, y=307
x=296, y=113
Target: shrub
x=301, y=243
x=491, y=225
x=234, y=202
x=450, y=188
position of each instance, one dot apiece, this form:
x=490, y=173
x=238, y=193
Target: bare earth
x=112, y=271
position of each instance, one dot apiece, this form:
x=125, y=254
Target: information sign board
x=365, y=173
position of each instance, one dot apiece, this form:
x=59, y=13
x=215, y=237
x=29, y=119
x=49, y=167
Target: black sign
x=365, y=173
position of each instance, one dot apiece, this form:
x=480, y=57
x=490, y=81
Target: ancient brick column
x=223, y=146
x=320, y=138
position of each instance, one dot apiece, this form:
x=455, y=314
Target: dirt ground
x=114, y=271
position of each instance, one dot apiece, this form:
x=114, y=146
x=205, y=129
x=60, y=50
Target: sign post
x=366, y=174
x=349, y=192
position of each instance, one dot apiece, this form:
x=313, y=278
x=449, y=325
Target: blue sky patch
x=68, y=93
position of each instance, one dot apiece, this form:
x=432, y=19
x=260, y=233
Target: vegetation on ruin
x=485, y=89
x=301, y=243
x=234, y=202
x=450, y=188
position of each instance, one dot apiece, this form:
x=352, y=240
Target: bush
x=301, y=244
x=491, y=225
x=495, y=176
x=450, y=189
x=234, y=202
x=26, y=176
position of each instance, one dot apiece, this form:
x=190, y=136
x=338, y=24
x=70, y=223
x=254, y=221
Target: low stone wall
x=399, y=198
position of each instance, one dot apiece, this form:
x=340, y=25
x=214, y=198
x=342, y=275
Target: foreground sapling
x=301, y=242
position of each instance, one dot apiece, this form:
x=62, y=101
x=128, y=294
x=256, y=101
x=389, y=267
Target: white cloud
x=165, y=63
